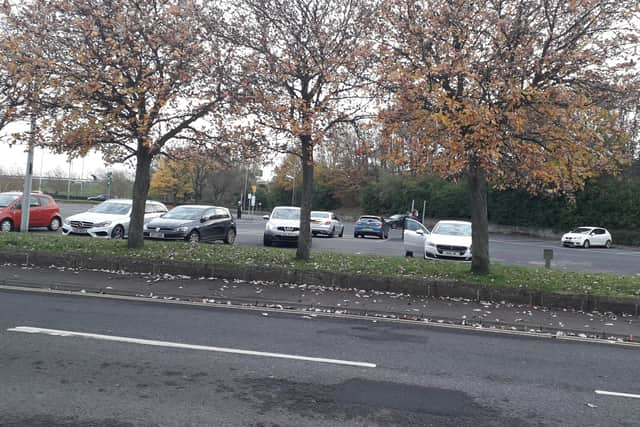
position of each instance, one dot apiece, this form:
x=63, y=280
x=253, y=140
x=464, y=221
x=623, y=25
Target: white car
x=326, y=223
x=586, y=237
x=109, y=219
x=447, y=239
x=283, y=225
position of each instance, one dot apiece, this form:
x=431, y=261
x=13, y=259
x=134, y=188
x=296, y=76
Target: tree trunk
x=140, y=192
x=479, y=219
x=304, y=241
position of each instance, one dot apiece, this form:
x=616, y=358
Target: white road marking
x=614, y=393
x=62, y=333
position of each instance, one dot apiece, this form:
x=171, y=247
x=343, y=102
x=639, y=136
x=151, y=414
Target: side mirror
x=204, y=219
x=420, y=232
x=265, y=217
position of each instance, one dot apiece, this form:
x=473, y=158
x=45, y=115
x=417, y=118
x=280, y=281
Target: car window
x=186, y=212
x=581, y=230
x=220, y=213
x=7, y=199
x=113, y=208
x=43, y=201
x=411, y=225
x=452, y=229
x=34, y=202
x=370, y=218
x=320, y=215
x=286, y=213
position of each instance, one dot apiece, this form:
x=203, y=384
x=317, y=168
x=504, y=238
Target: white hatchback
x=586, y=237
x=109, y=219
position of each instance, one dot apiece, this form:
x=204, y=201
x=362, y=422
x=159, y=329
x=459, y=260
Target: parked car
x=396, y=220
x=369, y=225
x=586, y=237
x=109, y=219
x=449, y=240
x=326, y=223
x=43, y=211
x=283, y=225
x=414, y=238
x=193, y=223
x=99, y=198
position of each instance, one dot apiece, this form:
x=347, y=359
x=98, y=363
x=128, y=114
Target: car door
x=599, y=237
x=36, y=213
x=338, y=226
x=414, y=236
x=220, y=224
x=207, y=227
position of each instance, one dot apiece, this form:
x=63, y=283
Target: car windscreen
x=6, y=199
x=451, y=229
x=581, y=230
x=183, y=212
x=370, y=218
x=113, y=208
x=286, y=213
x=323, y=215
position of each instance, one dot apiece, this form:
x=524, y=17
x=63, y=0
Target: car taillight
x=376, y=223
x=327, y=223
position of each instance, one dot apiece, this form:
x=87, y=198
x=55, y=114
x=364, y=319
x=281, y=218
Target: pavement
x=316, y=300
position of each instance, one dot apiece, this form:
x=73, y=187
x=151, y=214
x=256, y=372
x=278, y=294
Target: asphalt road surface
x=148, y=363
x=504, y=249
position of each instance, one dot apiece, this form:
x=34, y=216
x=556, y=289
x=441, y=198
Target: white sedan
x=109, y=219
x=447, y=240
x=586, y=237
x=326, y=223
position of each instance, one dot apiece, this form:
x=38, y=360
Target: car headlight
x=66, y=221
x=431, y=244
x=102, y=224
x=182, y=229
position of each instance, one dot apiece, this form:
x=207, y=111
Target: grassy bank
x=601, y=284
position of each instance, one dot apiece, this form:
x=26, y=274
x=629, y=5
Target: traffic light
x=109, y=175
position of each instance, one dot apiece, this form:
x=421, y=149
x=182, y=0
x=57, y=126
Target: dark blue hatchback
x=369, y=225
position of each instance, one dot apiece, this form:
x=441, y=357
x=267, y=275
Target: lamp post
x=293, y=186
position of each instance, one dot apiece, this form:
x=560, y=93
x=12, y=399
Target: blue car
x=369, y=225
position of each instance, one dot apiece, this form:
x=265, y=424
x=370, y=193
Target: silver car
x=326, y=223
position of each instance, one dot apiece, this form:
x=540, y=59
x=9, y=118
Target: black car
x=396, y=220
x=99, y=198
x=193, y=223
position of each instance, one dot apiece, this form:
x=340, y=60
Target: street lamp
x=293, y=186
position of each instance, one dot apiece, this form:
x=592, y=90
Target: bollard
x=548, y=256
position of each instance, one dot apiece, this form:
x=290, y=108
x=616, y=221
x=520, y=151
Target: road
x=370, y=373
x=504, y=249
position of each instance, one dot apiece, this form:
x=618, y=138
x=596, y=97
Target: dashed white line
x=614, y=393
x=63, y=333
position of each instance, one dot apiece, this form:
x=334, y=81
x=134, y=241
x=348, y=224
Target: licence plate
x=367, y=229
x=78, y=230
x=156, y=235
x=450, y=253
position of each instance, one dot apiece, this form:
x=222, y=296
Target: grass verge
x=538, y=279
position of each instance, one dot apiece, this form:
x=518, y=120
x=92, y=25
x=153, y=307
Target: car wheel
x=6, y=225
x=386, y=234
x=193, y=237
x=341, y=232
x=230, y=237
x=332, y=232
x=54, y=225
x=608, y=244
x=267, y=240
x=408, y=253
x=118, y=232
x=355, y=236
x=586, y=244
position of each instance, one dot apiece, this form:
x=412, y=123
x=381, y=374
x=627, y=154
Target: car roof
x=286, y=207
x=19, y=193
x=197, y=206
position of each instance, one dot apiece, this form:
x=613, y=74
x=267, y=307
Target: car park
x=193, y=223
x=109, y=219
x=370, y=225
x=449, y=240
x=414, y=238
x=43, y=211
x=326, y=223
x=585, y=237
x=283, y=225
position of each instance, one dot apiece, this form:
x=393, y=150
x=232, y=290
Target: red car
x=44, y=211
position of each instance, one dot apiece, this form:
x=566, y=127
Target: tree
x=130, y=77
x=515, y=93
x=305, y=69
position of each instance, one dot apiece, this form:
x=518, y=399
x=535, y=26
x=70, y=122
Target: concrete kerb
x=412, y=286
